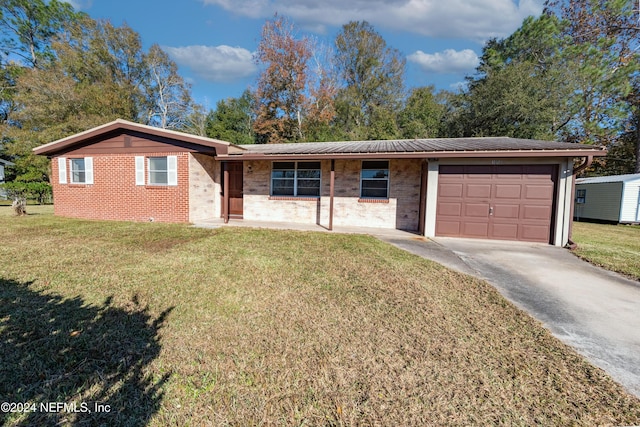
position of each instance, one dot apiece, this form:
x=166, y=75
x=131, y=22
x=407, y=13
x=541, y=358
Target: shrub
x=38, y=190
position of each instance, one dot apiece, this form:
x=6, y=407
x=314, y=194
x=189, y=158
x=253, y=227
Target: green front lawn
x=172, y=325
x=614, y=247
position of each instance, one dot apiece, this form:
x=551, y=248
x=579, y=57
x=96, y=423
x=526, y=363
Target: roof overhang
x=471, y=147
x=247, y=155
x=119, y=125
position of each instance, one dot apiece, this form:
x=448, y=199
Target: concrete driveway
x=594, y=311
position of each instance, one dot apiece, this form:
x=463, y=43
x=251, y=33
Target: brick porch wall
x=399, y=211
x=115, y=195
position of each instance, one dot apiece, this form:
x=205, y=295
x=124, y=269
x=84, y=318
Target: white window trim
x=143, y=171
x=388, y=178
x=295, y=178
x=88, y=170
x=149, y=171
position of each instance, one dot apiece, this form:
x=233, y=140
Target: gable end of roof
x=208, y=144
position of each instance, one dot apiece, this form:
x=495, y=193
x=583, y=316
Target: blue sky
x=212, y=41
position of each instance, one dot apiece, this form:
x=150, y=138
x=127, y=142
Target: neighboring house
x=613, y=198
x=492, y=188
x=3, y=164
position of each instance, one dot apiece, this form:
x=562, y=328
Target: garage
x=505, y=202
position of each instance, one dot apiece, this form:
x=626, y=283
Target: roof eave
x=417, y=155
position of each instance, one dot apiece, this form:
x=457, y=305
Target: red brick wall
x=114, y=194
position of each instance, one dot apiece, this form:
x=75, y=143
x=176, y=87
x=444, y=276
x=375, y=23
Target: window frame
x=363, y=179
x=296, y=178
x=73, y=172
x=86, y=172
x=150, y=171
x=143, y=171
x=581, y=196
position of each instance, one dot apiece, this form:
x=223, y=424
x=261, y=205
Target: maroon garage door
x=508, y=202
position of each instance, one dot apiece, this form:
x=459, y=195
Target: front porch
x=277, y=225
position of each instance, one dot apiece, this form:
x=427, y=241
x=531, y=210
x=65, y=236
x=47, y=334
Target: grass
x=9, y=201
x=614, y=247
x=171, y=325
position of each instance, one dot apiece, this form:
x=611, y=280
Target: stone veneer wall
x=399, y=211
x=204, y=188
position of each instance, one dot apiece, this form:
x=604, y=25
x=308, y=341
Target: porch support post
x=332, y=180
x=225, y=193
x=423, y=197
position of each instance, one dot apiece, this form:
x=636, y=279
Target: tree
x=99, y=73
x=51, y=105
x=27, y=27
x=196, y=122
x=515, y=101
x=372, y=82
x=323, y=88
x=521, y=85
x=632, y=136
x=624, y=153
x=421, y=115
x=280, y=97
x=168, y=96
x=232, y=120
x=601, y=49
x=8, y=74
x=118, y=52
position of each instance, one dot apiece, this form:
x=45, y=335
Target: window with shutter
x=78, y=171
x=162, y=170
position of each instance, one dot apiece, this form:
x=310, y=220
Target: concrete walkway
x=383, y=233
x=590, y=309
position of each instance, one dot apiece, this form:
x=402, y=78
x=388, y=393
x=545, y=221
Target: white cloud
x=220, y=64
x=448, y=61
x=475, y=19
x=80, y=4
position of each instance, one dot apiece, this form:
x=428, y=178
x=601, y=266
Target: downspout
x=576, y=170
x=423, y=197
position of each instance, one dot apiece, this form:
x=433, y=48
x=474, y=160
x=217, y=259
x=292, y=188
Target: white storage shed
x=3, y=164
x=614, y=198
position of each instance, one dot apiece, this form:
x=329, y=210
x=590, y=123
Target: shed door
x=506, y=202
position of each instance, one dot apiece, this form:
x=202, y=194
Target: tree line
x=62, y=72
x=570, y=74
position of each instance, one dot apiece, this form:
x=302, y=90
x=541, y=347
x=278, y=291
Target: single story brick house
x=491, y=188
